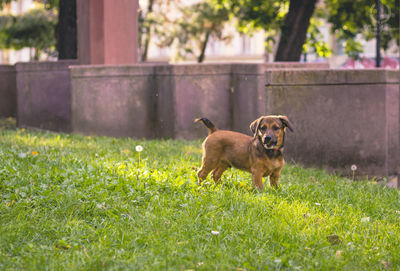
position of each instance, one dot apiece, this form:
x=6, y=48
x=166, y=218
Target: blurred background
x=340, y=32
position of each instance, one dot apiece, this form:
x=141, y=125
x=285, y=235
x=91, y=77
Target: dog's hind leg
x=208, y=163
x=203, y=173
x=217, y=172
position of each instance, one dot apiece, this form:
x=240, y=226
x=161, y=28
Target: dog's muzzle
x=269, y=142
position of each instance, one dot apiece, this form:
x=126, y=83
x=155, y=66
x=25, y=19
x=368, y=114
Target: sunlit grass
x=83, y=203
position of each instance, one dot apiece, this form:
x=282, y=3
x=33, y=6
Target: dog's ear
x=254, y=126
x=285, y=121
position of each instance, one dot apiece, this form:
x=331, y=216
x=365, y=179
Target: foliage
x=349, y=18
x=34, y=29
x=71, y=202
x=315, y=40
x=49, y=4
x=2, y=2
x=146, y=22
x=199, y=23
x=256, y=14
x=269, y=15
x=194, y=28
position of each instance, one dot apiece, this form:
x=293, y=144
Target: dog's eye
x=276, y=128
x=263, y=128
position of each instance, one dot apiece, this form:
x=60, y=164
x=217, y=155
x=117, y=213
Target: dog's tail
x=209, y=125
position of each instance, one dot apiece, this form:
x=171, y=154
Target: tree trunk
x=66, y=31
x=148, y=34
x=200, y=59
x=294, y=30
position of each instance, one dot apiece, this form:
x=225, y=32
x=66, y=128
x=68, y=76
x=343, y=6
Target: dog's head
x=270, y=130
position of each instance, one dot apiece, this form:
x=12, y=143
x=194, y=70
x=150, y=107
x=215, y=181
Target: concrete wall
x=161, y=101
x=114, y=100
x=8, y=91
x=43, y=95
x=186, y=92
x=341, y=117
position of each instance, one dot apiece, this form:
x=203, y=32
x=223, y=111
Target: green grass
x=70, y=202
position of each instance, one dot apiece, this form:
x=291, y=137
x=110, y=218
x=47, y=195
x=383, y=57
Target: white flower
x=215, y=232
x=139, y=148
x=318, y=204
x=22, y=155
x=353, y=167
x=365, y=219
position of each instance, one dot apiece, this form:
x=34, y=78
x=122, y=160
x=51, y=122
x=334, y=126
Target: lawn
x=72, y=202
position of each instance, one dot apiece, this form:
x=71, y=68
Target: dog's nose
x=267, y=139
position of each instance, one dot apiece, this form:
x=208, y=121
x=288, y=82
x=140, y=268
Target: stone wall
x=43, y=95
x=8, y=91
x=115, y=101
x=161, y=101
x=341, y=118
x=186, y=92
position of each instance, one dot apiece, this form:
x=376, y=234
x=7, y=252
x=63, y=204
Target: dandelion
x=365, y=219
x=139, y=149
x=215, y=232
x=353, y=169
x=34, y=153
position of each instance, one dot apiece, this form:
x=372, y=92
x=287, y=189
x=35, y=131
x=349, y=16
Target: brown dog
x=261, y=155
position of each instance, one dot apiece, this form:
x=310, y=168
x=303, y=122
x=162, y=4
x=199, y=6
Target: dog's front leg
x=256, y=177
x=274, y=178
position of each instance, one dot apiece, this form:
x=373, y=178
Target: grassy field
x=70, y=202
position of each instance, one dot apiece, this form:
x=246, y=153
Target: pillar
x=107, y=31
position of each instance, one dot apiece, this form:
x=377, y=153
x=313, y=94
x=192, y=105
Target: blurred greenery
x=357, y=18
x=349, y=19
x=205, y=20
x=199, y=23
x=191, y=31
x=34, y=29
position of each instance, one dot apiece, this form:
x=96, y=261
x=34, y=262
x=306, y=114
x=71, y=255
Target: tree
x=193, y=29
x=294, y=30
x=34, y=29
x=293, y=19
x=199, y=23
x=290, y=18
x=66, y=29
x=2, y=2
x=146, y=23
x=352, y=18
